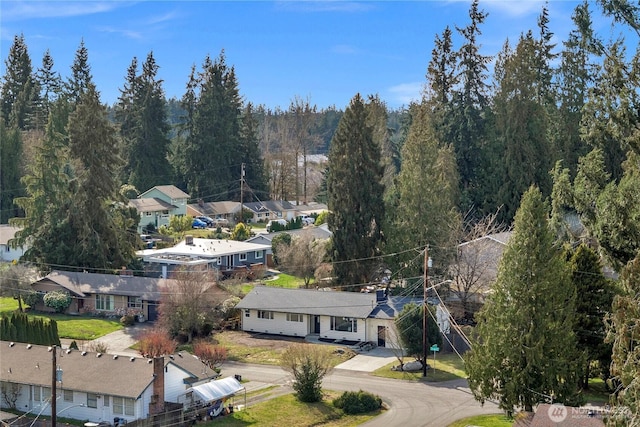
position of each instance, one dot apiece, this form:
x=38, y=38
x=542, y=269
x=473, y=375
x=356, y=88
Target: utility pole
x=54, y=380
x=242, y=193
x=424, y=311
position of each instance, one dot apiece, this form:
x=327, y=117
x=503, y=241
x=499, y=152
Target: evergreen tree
x=428, y=193
x=594, y=296
x=104, y=228
x=255, y=177
x=19, y=89
x=525, y=349
x=50, y=84
x=610, y=116
x=624, y=333
x=78, y=84
x=574, y=75
x=470, y=102
x=355, y=197
x=144, y=127
x=520, y=126
x=10, y=171
x=211, y=165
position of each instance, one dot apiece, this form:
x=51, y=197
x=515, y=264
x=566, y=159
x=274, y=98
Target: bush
x=360, y=402
x=58, y=300
x=32, y=298
x=128, y=320
x=73, y=345
x=322, y=217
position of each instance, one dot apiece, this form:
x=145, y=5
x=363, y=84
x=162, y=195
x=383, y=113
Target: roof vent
x=29, y=346
x=171, y=357
x=68, y=351
x=149, y=361
x=98, y=354
x=49, y=349
x=84, y=353
x=11, y=344
x=188, y=240
x=132, y=359
x=115, y=357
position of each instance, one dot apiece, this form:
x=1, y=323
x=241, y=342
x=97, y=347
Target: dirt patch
x=273, y=342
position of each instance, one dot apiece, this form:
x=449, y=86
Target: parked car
x=197, y=223
x=307, y=220
x=282, y=222
x=206, y=220
x=221, y=222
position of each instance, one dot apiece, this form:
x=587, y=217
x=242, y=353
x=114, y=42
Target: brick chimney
x=156, y=406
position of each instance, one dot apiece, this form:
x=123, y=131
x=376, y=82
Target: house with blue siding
x=156, y=205
x=226, y=257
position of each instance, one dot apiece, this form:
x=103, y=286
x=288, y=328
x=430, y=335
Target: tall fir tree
x=19, y=88
x=78, y=83
x=427, y=212
x=255, y=178
x=144, y=129
x=525, y=348
x=10, y=171
x=355, y=196
x=470, y=102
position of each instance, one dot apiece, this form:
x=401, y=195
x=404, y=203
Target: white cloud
x=122, y=31
x=16, y=11
x=405, y=93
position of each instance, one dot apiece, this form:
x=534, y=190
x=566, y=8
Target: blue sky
x=324, y=51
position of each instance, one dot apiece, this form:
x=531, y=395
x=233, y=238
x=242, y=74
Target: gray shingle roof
x=150, y=204
x=88, y=373
x=309, y=301
x=171, y=191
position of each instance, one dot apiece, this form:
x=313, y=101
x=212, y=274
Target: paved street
x=411, y=403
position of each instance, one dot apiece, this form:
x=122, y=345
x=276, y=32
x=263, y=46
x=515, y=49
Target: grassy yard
x=497, y=420
x=447, y=367
x=267, y=353
x=597, y=393
x=288, y=411
x=72, y=327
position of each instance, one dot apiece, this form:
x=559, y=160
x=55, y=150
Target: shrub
x=32, y=298
x=360, y=402
x=322, y=217
x=128, y=320
x=58, y=300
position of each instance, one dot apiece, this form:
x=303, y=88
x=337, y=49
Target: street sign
x=435, y=347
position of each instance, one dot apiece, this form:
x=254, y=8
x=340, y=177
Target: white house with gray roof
x=330, y=315
x=93, y=386
x=8, y=253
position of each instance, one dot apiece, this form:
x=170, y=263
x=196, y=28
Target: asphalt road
x=412, y=403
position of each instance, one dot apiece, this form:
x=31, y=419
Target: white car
x=307, y=220
x=282, y=222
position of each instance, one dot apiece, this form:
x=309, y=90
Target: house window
x=243, y=257
x=148, y=213
x=134, y=302
x=67, y=395
x=247, y=313
x=104, y=302
x=165, y=212
x=258, y=254
x=41, y=394
x=92, y=400
x=294, y=317
x=264, y=314
x=344, y=324
x=105, y=400
x=122, y=406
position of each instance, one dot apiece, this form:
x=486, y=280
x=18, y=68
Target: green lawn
x=447, y=367
x=597, y=393
x=288, y=411
x=80, y=328
x=497, y=420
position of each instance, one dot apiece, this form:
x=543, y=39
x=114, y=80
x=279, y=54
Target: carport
x=215, y=393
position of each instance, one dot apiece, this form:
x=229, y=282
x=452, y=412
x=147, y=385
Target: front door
x=381, y=336
x=316, y=324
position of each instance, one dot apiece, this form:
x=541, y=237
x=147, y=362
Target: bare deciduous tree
x=189, y=303
x=476, y=263
x=156, y=343
x=302, y=256
x=212, y=356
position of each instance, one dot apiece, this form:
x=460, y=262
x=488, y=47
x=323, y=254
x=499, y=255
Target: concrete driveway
x=118, y=342
x=369, y=361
